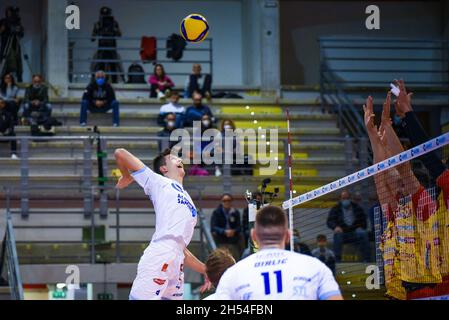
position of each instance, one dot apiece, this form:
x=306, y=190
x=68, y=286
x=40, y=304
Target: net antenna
x=365, y=173
x=290, y=208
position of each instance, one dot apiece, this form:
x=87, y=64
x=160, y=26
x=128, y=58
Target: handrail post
x=13, y=260
x=24, y=177
x=8, y=199
x=103, y=194
x=87, y=177
x=92, y=230
x=117, y=225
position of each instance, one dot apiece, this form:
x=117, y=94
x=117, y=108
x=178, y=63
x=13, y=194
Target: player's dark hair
x=159, y=161
x=217, y=263
x=271, y=224
x=321, y=237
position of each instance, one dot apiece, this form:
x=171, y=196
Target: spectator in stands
x=170, y=125
x=9, y=92
x=36, y=107
x=299, y=246
x=99, y=97
x=323, y=253
x=348, y=221
x=197, y=110
x=216, y=264
x=357, y=198
x=226, y=226
x=160, y=83
x=199, y=82
x=7, y=126
x=172, y=107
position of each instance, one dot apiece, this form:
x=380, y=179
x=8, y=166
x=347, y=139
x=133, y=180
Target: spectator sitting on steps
x=172, y=107
x=99, y=97
x=7, y=127
x=348, y=221
x=36, y=107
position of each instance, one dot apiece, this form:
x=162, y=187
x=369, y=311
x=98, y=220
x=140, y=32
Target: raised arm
x=414, y=130
x=393, y=146
x=383, y=191
x=127, y=163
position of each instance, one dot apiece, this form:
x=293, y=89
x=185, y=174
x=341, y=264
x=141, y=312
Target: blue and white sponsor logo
x=247, y=296
x=177, y=187
x=300, y=291
x=183, y=200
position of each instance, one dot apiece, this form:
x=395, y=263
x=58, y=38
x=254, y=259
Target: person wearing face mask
x=99, y=97
x=172, y=107
x=197, y=110
x=323, y=253
x=170, y=125
x=36, y=106
x=348, y=222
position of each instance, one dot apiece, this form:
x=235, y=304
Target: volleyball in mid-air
x=194, y=28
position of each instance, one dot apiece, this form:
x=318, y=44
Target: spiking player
x=160, y=270
x=274, y=273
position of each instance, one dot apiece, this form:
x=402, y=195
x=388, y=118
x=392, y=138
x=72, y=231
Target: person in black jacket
x=348, y=221
x=36, y=106
x=226, y=226
x=99, y=96
x=7, y=126
x=199, y=82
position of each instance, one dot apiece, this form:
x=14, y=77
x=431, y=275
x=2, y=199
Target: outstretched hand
x=403, y=103
x=206, y=286
x=369, y=115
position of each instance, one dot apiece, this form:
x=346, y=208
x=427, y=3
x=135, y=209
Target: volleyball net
x=392, y=214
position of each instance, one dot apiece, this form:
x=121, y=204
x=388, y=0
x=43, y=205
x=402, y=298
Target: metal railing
x=82, y=57
x=207, y=242
x=96, y=196
x=377, y=61
x=10, y=258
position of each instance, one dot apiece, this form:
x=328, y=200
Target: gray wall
x=302, y=22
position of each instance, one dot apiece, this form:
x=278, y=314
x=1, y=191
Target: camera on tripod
x=106, y=22
x=13, y=20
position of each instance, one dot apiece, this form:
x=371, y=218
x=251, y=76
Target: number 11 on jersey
x=266, y=279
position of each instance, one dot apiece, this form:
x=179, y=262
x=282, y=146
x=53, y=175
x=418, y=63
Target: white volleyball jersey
x=275, y=274
x=172, y=108
x=176, y=214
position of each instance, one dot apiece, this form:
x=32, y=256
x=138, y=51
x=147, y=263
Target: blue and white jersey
x=176, y=214
x=275, y=274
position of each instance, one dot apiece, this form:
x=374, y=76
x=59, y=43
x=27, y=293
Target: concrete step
x=323, y=169
x=152, y=131
x=75, y=253
x=5, y=293
x=58, y=148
